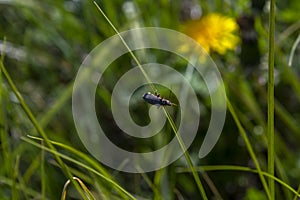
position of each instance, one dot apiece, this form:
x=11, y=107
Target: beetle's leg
x=157, y=94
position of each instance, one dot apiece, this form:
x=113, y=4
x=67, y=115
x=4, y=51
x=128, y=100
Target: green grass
x=41, y=154
x=271, y=132
x=170, y=120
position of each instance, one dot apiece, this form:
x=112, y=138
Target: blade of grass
x=297, y=195
x=280, y=146
x=186, y=154
x=43, y=175
x=81, y=155
x=18, y=181
x=282, y=174
x=249, y=100
x=211, y=185
x=31, y=169
x=78, y=163
x=29, y=191
x=77, y=153
x=127, y=47
x=92, y=179
x=249, y=147
x=14, y=191
x=56, y=107
x=82, y=185
x=291, y=76
x=284, y=115
x=271, y=137
x=240, y=168
x=288, y=32
x=293, y=50
x=5, y=147
x=154, y=186
x=96, y=165
x=288, y=74
x=37, y=126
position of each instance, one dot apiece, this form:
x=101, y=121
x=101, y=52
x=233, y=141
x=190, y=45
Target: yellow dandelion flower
x=214, y=32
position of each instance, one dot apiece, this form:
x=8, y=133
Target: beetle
x=155, y=99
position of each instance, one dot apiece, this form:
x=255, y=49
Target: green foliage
x=43, y=43
x=254, y=194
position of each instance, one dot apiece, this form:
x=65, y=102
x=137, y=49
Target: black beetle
x=155, y=99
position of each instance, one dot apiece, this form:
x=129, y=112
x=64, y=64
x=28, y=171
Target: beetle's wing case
x=152, y=99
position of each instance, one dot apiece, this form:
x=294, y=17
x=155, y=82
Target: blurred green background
x=45, y=43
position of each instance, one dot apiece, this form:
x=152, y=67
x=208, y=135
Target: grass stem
x=186, y=154
x=249, y=147
x=37, y=126
x=271, y=137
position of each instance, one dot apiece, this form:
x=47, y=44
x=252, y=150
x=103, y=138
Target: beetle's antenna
x=172, y=104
